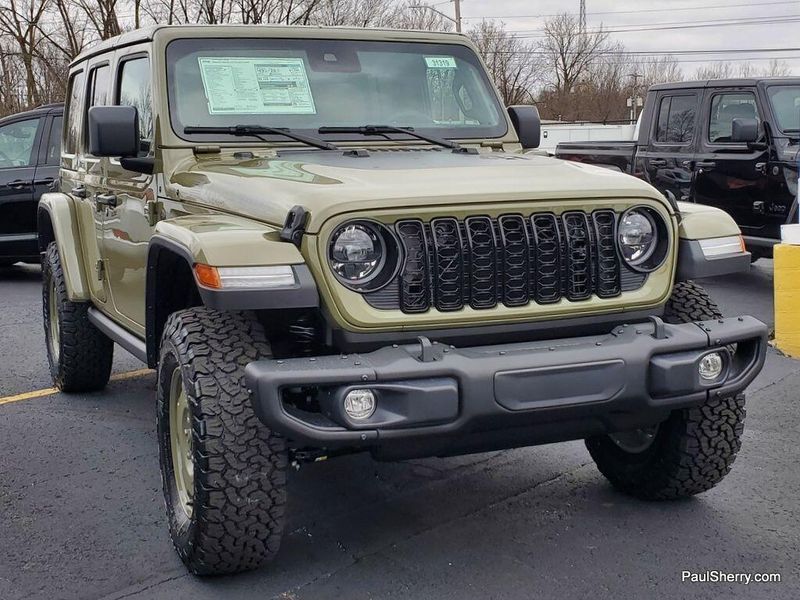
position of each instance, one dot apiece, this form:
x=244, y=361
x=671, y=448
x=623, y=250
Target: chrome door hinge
x=153, y=210
x=100, y=269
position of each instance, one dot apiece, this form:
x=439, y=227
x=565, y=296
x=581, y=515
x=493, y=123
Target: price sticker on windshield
x=440, y=62
x=277, y=86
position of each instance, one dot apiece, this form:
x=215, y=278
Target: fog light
x=710, y=366
x=359, y=404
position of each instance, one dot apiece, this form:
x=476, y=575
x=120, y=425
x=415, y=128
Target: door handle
x=45, y=181
x=704, y=164
x=19, y=184
x=109, y=200
x=79, y=192
x=658, y=162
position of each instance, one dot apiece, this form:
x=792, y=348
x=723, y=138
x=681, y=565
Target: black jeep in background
x=30, y=151
x=729, y=143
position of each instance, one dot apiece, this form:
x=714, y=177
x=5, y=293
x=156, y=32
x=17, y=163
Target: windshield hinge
x=207, y=149
x=295, y=225
x=153, y=210
x=100, y=269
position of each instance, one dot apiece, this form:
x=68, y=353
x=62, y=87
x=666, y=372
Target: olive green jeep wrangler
x=331, y=240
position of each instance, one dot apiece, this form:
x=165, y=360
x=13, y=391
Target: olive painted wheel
x=223, y=472
x=79, y=354
x=693, y=449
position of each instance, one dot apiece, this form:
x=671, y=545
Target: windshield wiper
x=257, y=131
x=384, y=129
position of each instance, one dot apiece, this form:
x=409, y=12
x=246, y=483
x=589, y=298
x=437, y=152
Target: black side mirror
x=528, y=125
x=113, y=131
x=744, y=131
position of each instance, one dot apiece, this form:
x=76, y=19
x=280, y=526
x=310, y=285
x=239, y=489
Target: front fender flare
x=57, y=221
x=223, y=241
x=698, y=224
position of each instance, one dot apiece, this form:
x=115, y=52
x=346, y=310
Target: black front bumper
x=436, y=399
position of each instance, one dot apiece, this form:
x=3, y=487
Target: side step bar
x=124, y=338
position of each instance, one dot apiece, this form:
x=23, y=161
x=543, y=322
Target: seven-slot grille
x=511, y=260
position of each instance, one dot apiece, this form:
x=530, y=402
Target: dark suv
x=30, y=150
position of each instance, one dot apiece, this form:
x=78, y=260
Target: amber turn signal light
x=207, y=276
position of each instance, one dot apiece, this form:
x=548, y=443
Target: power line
x=675, y=26
x=654, y=61
x=616, y=52
x=644, y=10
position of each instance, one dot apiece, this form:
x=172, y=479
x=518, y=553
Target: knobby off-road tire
x=80, y=355
x=237, y=489
x=694, y=448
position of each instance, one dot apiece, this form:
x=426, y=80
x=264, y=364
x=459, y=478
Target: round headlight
x=637, y=236
x=363, y=255
x=356, y=252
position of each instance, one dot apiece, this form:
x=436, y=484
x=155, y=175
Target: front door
x=731, y=175
x=127, y=228
x=18, y=151
x=665, y=162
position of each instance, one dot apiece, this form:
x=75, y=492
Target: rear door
x=19, y=147
x=73, y=178
x=665, y=158
x=729, y=175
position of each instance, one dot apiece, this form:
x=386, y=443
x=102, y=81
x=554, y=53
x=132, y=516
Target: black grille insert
x=512, y=260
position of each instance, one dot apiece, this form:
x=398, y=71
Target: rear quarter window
x=72, y=113
x=676, y=119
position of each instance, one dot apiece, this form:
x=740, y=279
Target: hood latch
x=295, y=225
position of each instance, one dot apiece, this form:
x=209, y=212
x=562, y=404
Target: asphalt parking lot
x=81, y=512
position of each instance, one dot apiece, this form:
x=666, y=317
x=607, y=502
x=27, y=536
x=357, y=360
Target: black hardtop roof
x=711, y=83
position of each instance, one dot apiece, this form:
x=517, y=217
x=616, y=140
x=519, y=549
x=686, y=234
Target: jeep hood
x=327, y=183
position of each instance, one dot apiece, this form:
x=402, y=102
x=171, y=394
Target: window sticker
x=440, y=62
x=277, y=86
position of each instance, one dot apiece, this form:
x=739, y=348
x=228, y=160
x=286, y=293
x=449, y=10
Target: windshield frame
x=464, y=51
x=791, y=132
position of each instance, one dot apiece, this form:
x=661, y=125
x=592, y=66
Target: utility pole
x=582, y=18
x=634, y=101
x=457, y=20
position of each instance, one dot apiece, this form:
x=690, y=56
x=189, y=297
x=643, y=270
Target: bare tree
x=19, y=20
x=571, y=51
x=718, y=70
x=514, y=65
x=102, y=14
x=777, y=68
x=659, y=70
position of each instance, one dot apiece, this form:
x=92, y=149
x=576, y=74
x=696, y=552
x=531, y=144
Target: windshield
x=785, y=100
x=303, y=85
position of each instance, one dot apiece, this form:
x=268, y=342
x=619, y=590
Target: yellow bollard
x=787, y=299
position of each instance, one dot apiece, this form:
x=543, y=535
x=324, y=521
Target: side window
x=676, y=118
x=16, y=143
x=97, y=94
x=73, y=113
x=134, y=90
x=54, y=142
x=724, y=109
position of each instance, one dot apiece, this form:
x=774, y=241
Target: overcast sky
x=520, y=16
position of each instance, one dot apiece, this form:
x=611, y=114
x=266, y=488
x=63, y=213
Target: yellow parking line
x=51, y=390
